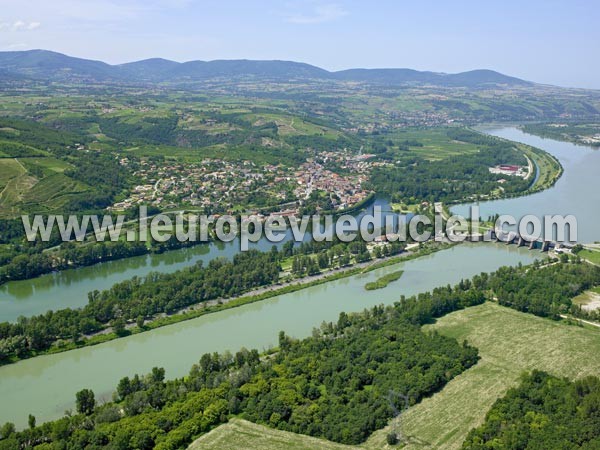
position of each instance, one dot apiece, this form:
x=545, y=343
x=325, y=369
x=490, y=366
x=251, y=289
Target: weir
x=518, y=240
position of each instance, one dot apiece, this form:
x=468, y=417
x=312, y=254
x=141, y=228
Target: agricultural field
x=53, y=192
x=591, y=255
x=238, y=434
x=509, y=342
x=16, y=183
x=9, y=169
x=436, y=144
x=35, y=184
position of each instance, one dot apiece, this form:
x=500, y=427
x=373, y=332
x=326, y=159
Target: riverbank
x=547, y=172
x=46, y=386
x=253, y=296
x=583, y=134
x=548, y=169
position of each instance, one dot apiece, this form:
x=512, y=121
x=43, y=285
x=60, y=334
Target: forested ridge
x=543, y=413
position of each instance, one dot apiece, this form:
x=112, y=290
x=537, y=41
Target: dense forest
x=545, y=292
x=543, y=413
x=337, y=384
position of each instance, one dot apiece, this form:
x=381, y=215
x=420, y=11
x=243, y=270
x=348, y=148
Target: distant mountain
x=387, y=76
x=275, y=70
x=483, y=77
x=153, y=69
x=6, y=75
x=45, y=64
x=52, y=66
x=474, y=78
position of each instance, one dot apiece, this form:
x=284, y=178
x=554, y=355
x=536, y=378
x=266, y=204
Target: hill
x=44, y=64
x=52, y=66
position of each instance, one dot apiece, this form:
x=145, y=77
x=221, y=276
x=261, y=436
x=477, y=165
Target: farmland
x=509, y=344
x=35, y=184
x=591, y=255
x=243, y=434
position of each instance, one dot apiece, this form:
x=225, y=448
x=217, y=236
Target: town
x=222, y=186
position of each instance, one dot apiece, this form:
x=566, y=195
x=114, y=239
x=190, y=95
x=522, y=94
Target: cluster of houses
x=210, y=182
x=228, y=184
x=347, y=190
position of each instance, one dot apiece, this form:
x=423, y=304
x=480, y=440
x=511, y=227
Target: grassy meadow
x=509, y=342
x=591, y=255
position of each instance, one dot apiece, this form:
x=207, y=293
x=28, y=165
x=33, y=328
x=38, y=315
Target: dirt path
x=587, y=322
x=529, y=168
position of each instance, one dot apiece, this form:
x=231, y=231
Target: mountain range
x=51, y=66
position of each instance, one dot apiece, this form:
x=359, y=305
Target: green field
x=47, y=165
x=53, y=192
x=15, y=182
x=590, y=255
x=436, y=144
x=509, y=344
x=240, y=434
x=9, y=169
x=21, y=190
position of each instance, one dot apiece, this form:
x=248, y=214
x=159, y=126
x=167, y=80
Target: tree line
x=334, y=384
x=543, y=412
x=138, y=299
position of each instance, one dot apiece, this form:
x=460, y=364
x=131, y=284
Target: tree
x=85, y=401
x=118, y=326
x=31, y=421
x=7, y=429
x=140, y=322
x=391, y=439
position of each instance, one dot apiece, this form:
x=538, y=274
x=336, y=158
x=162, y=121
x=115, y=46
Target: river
x=577, y=192
x=69, y=288
x=46, y=386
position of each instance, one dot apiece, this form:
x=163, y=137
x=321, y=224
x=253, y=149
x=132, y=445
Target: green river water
x=46, y=386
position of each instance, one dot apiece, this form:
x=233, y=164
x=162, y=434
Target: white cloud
x=15, y=46
x=319, y=14
x=19, y=25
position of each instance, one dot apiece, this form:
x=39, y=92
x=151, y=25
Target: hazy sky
x=556, y=42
